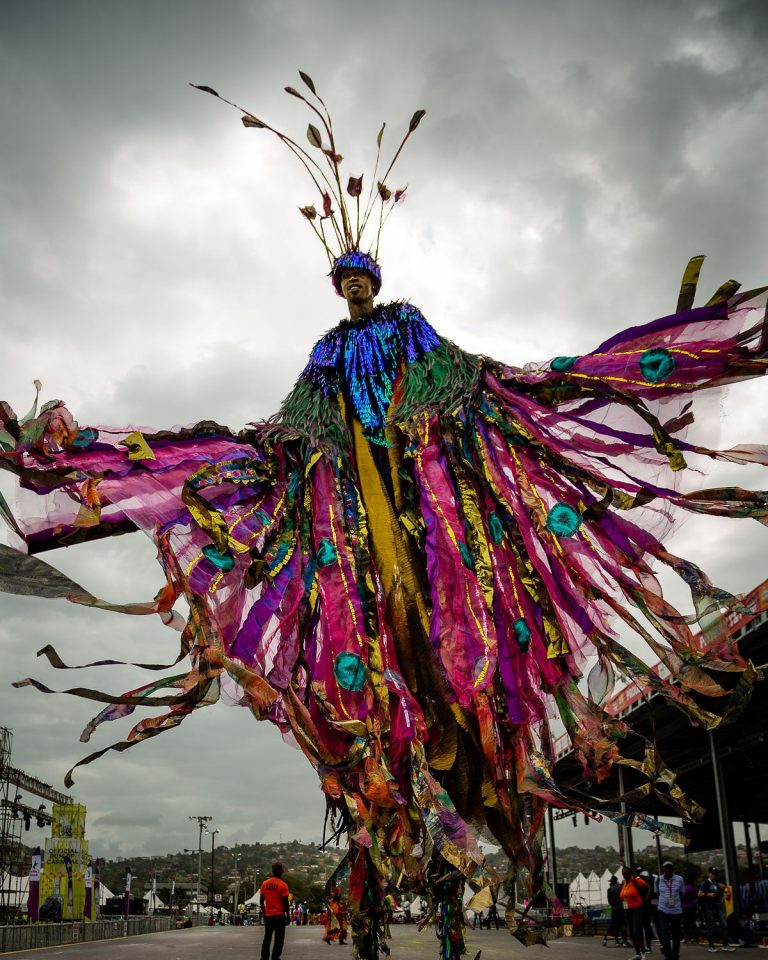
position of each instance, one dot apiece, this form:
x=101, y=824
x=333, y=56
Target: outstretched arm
x=91, y=482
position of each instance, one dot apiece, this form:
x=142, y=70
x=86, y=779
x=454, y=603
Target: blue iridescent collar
x=362, y=358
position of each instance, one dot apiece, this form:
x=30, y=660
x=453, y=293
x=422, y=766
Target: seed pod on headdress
x=341, y=226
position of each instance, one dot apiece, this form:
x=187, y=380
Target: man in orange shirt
x=275, y=907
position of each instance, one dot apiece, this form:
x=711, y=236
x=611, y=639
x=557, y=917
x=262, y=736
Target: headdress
x=341, y=230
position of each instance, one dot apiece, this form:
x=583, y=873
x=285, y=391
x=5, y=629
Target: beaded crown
x=346, y=221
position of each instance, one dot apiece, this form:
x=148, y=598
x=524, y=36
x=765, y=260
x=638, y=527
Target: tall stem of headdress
x=330, y=188
x=370, y=200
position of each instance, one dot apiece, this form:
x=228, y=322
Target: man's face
x=667, y=868
x=356, y=285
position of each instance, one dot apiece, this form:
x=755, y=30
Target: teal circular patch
x=326, y=553
x=563, y=364
x=466, y=556
x=224, y=561
x=563, y=520
x=350, y=671
x=522, y=634
x=495, y=528
x=85, y=438
x=656, y=364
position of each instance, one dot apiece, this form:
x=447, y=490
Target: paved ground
x=304, y=943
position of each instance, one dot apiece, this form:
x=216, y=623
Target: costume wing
x=409, y=570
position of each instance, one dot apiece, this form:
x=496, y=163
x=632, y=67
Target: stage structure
x=64, y=873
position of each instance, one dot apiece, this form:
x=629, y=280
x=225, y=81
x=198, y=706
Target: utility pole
x=213, y=891
x=201, y=822
x=237, y=882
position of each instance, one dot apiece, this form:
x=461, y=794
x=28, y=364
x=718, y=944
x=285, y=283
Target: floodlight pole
x=201, y=822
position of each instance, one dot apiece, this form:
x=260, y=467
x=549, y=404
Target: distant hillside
x=244, y=866
x=307, y=869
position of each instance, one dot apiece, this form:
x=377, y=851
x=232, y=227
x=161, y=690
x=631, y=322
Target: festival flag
x=88, y=908
x=33, y=901
x=127, y=899
x=97, y=886
x=70, y=891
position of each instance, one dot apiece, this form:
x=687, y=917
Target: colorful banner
x=33, y=900
x=68, y=821
x=97, y=886
x=88, y=908
x=728, y=899
x=127, y=898
x=70, y=891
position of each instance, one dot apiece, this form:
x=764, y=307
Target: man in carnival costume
x=409, y=566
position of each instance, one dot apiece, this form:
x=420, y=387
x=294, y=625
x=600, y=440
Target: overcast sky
x=155, y=271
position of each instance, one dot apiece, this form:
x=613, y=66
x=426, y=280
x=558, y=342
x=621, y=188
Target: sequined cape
x=409, y=568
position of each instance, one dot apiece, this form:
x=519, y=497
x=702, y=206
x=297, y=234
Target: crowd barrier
x=31, y=936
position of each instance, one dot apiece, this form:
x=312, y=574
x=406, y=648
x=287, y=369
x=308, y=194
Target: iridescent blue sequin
x=355, y=260
x=362, y=358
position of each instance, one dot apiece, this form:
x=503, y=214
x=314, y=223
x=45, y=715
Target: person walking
x=634, y=891
x=275, y=908
x=711, y=895
x=669, y=889
x=617, y=927
x=689, y=899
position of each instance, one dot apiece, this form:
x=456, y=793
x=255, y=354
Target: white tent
x=104, y=894
x=587, y=891
x=157, y=903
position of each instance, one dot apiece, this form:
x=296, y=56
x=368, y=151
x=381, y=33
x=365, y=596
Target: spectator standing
x=669, y=897
x=275, y=908
x=634, y=895
x=649, y=909
x=617, y=927
x=711, y=896
x=689, y=898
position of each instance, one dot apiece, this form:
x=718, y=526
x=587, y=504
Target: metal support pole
x=750, y=859
x=552, y=853
x=626, y=832
x=658, y=855
x=213, y=890
x=237, y=882
x=726, y=829
x=201, y=822
x=760, y=861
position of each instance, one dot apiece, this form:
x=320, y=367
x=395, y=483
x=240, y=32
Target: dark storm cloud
x=154, y=269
